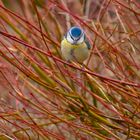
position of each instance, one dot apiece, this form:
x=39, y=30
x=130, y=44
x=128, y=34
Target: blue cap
x=75, y=32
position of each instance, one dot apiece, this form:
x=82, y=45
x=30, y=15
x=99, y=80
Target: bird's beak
x=74, y=42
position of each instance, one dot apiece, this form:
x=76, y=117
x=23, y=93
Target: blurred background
x=40, y=96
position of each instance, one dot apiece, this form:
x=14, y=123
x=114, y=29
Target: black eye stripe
x=77, y=38
x=71, y=37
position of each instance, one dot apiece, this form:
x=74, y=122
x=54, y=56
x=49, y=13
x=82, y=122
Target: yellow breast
x=78, y=52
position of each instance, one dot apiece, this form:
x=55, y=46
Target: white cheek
x=70, y=39
x=80, y=40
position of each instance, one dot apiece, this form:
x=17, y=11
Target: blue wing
x=87, y=43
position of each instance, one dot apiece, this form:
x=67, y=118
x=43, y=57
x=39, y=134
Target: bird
x=75, y=45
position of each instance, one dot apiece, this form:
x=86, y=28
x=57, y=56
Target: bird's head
x=75, y=35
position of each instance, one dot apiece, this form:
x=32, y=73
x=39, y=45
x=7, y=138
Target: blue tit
x=75, y=46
